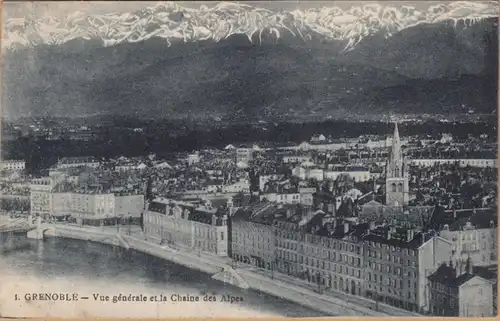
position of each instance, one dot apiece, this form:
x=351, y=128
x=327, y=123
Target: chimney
x=372, y=225
x=409, y=235
x=289, y=212
x=389, y=233
x=454, y=213
x=346, y=228
x=469, y=267
x=458, y=269
x=214, y=219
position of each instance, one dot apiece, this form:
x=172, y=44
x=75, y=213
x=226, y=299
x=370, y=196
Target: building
x=490, y=273
x=93, y=205
x=12, y=165
x=291, y=197
x=414, y=216
x=462, y=162
x=382, y=262
x=67, y=162
x=396, y=181
x=244, y=155
x=331, y=254
x=473, y=233
x=187, y=225
x=398, y=262
x=252, y=236
x=456, y=291
x=289, y=221
x=40, y=196
x=193, y=159
x=357, y=173
x=296, y=158
x=129, y=206
x=307, y=195
x=89, y=205
x=263, y=179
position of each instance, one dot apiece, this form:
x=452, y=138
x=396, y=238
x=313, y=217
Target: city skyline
x=237, y=159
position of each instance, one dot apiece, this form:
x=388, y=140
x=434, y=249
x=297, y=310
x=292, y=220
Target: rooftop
x=77, y=160
x=464, y=218
x=398, y=237
x=448, y=275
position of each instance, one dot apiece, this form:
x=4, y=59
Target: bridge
x=17, y=225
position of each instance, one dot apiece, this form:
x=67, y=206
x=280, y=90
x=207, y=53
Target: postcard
x=249, y=159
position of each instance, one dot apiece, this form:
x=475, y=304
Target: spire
x=395, y=161
x=396, y=141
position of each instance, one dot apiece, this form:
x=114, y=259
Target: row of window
x=375, y=245
x=391, y=269
x=410, y=295
x=395, y=283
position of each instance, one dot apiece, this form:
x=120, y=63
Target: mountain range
x=234, y=61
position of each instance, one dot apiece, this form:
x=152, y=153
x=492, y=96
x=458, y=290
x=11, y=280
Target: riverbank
x=277, y=286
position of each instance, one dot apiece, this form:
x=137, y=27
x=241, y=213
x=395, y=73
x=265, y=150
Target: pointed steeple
x=396, y=142
x=395, y=161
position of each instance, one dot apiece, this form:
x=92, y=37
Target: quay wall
x=333, y=306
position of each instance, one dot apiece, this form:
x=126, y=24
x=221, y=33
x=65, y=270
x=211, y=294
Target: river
x=88, y=269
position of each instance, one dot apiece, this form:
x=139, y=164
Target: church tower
x=396, y=174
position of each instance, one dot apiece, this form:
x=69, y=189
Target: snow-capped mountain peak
x=169, y=20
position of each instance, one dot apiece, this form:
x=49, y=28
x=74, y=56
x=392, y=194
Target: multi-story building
x=396, y=181
x=263, y=179
x=244, y=155
x=473, y=233
x=383, y=262
x=398, y=262
x=490, y=273
x=193, y=159
x=252, y=236
x=296, y=158
x=12, y=165
x=415, y=216
x=331, y=254
x=315, y=173
x=93, y=205
x=282, y=198
x=67, y=162
x=187, y=225
x=357, y=173
x=289, y=221
x=456, y=291
x=40, y=196
x=89, y=206
x=462, y=162
x=129, y=206
x=307, y=195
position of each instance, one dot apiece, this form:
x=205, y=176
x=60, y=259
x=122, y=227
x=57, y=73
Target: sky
x=18, y=9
